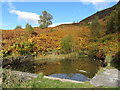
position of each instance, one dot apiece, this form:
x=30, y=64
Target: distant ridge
x=101, y=14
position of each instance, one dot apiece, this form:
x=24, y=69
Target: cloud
x=56, y=24
x=99, y=4
x=27, y=16
x=97, y=1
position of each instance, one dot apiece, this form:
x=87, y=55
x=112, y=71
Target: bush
x=96, y=53
x=42, y=26
x=92, y=52
x=116, y=61
x=24, y=48
x=27, y=48
x=113, y=24
x=67, y=44
x=29, y=28
x=18, y=27
x=52, y=30
x=96, y=29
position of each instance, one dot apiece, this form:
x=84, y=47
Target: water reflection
x=76, y=69
x=67, y=68
x=22, y=63
x=75, y=76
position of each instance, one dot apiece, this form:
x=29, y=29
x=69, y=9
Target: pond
x=80, y=69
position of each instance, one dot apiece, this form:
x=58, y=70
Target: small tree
x=67, y=44
x=29, y=28
x=113, y=24
x=96, y=29
x=45, y=20
x=18, y=27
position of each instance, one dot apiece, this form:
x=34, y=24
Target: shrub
x=113, y=24
x=24, y=48
x=52, y=30
x=96, y=29
x=6, y=52
x=96, y=53
x=29, y=28
x=42, y=26
x=18, y=27
x=116, y=61
x=67, y=44
x=92, y=52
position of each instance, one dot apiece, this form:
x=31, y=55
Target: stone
x=107, y=78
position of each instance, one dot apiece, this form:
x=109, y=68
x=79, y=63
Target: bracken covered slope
x=16, y=42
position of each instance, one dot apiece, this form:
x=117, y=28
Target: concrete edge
x=63, y=80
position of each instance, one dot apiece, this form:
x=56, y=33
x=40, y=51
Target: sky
x=18, y=12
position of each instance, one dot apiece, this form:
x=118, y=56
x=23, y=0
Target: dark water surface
x=81, y=69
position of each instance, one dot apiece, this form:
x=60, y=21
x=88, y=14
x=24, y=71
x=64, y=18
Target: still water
x=80, y=69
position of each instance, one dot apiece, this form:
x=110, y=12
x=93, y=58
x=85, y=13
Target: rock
x=107, y=78
x=24, y=75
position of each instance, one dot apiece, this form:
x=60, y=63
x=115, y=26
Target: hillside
x=86, y=52
x=17, y=42
x=101, y=14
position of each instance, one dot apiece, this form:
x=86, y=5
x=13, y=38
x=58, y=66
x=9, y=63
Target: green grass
x=57, y=57
x=41, y=82
x=13, y=81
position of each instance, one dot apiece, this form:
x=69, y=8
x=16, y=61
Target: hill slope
x=101, y=14
x=18, y=42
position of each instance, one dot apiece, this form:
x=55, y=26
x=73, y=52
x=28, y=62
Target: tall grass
x=10, y=79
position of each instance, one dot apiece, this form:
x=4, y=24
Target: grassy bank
x=59, y=57
x=11, y=81
x=41, y=82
